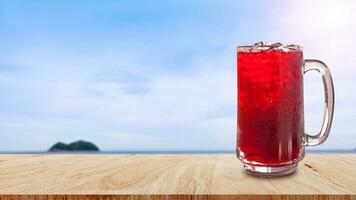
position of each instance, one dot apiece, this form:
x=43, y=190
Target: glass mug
x=271, y=138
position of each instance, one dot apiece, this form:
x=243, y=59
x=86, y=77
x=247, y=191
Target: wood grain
x=181, y=176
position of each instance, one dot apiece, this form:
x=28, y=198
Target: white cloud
x=71, y=106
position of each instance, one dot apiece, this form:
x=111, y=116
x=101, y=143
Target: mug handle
x=319, y=66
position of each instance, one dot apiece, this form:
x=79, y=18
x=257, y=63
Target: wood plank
x=180, y=176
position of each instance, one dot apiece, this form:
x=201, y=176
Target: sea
x=326, y=151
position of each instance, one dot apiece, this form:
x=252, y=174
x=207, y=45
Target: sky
x=158, y=75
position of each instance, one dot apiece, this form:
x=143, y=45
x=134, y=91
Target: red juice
x=270, y=107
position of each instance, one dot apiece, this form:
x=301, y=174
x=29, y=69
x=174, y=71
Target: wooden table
x=170, y=176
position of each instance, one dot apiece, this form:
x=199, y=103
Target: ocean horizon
x=165, y=151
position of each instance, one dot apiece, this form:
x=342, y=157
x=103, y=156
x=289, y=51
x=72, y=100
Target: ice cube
x=267, y=46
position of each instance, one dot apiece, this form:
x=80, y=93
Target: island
x=79, y=145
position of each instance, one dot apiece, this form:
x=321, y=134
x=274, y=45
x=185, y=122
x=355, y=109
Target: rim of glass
x=269, y=47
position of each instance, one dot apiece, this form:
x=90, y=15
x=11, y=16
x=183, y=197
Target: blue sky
x=157, y=75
